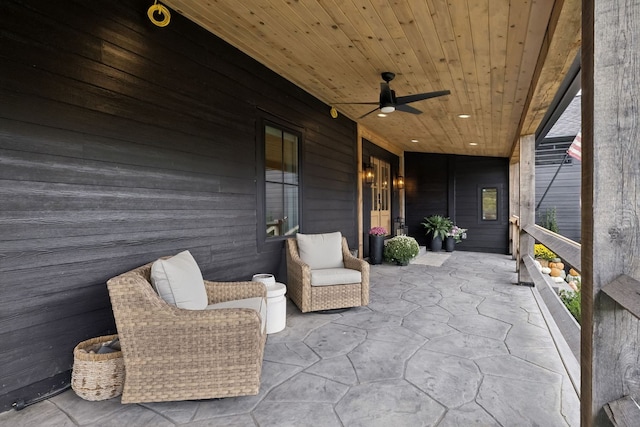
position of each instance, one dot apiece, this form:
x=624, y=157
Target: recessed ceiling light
x=382, y=115
x=473, y=143
x=414, y=140
x=464, y=116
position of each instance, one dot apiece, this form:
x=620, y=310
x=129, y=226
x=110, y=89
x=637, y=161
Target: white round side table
x=276, y=307
x=276, y=302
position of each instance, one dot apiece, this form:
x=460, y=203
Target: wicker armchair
x=310, y=297
x=175, y=354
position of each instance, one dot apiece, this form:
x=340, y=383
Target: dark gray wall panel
x=471, y=175
x=563, y=195
x=426, y=190
x=438, y=184
x=121, y=142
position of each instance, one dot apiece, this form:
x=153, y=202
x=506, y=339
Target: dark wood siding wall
x=563, y=195
x=121, y=142
x=426, y=184
x=438, y=184
x=471, y=174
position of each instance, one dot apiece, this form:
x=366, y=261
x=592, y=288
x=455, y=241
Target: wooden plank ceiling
x=484, y=51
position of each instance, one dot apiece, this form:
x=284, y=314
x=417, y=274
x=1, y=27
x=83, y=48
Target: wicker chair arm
x=354, y=263
x=350, y=261
x=357, y=264
x=227, y=291
x=300, y=271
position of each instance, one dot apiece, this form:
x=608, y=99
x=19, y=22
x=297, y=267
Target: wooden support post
x=360, y=197
x=527, y=175
x=610, y=347
x=514, y=205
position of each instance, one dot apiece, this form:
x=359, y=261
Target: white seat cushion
x=179, y=282
x=335, y=276
x=320, y=250
x=256, y=303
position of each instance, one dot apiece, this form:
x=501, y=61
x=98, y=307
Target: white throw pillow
x=321, y=250
x=179, y=282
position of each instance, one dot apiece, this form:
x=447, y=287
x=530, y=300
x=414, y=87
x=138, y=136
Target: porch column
x=514, y=206
x=359, y=185
x=527, y=199
x=610, y=347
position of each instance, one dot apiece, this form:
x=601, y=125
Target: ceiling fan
x=389, y=102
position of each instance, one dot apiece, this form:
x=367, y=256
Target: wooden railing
x=566, y=334
x=565, y=248
x=624, y=290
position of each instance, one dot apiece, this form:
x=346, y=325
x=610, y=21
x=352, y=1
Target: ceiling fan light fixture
x=388, y=102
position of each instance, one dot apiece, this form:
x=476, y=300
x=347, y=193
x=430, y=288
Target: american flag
x=575, y=150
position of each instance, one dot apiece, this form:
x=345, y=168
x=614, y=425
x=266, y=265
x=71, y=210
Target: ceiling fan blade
x=407, y=109
x=356, y=103
x=365, y=115
x=420, y=96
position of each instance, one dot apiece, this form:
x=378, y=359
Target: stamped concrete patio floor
x=455, y=345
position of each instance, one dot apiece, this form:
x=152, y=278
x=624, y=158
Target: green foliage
x=549, y=220
x=571, y=300
x=401, y=249
x=542, y=252
x=437, y=225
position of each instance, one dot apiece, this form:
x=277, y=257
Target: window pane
x=274, y=209
x=290, y=161
x=385, y=172
x=273, y=154
x=490, y=204
x=291, y=209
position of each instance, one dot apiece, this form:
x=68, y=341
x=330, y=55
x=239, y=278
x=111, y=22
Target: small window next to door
x=489, y=203
x=281, y=181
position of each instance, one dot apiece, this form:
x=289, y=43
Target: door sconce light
x=400, y=182
x=369, y=176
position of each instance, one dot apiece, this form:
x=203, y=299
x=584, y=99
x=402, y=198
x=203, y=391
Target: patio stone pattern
x=438, y=346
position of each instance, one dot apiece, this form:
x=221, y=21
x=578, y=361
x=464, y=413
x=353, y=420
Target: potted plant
x=543, y=255
x=454, y=235
x=376, y=244
x=401, y=249
x=437, y=226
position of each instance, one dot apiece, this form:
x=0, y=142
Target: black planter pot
x=449, y=244
x=376, y=249
x=436, y=244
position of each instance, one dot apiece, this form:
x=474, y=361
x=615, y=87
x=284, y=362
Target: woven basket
x=97, y=376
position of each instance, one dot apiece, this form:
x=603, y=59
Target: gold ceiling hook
x=161, y=10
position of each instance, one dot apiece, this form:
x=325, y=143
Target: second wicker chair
x=313, y=289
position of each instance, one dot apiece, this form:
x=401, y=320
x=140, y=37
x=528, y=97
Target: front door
x=381, y=194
